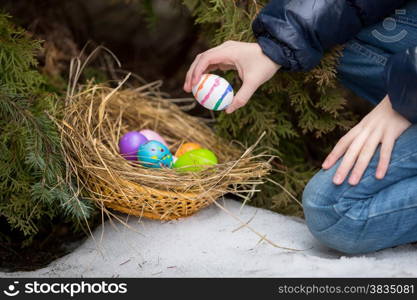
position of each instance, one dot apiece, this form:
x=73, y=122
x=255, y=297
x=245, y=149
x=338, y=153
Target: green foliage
x=302, y=113
x=145, y=10
x=32, y=170
x=149, y=13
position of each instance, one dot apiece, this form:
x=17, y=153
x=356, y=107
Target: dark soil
x=55, y=240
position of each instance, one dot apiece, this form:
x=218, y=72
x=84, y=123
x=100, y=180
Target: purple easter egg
x=130, y=143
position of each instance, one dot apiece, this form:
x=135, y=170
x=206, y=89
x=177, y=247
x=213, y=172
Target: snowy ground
x=206, y=245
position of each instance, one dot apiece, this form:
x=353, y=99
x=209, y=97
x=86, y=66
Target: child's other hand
x=383, y=125
x=253, y=66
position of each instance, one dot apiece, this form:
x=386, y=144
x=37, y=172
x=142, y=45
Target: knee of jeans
x=353, y=247
x=326, y=224
x=345, y=242
x=318, y=200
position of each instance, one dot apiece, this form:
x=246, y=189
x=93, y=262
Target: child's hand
x=383, y=125
x=253, y=66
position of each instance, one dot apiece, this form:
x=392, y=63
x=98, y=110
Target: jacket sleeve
x=401, y=82
x=295, y=33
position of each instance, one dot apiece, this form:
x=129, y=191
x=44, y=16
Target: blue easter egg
x=154, y=154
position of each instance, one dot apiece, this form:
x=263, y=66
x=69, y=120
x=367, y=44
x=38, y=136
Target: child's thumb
x=242, y=96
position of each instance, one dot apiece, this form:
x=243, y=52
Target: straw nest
x=97, y=116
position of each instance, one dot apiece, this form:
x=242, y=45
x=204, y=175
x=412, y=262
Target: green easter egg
x=195, y=160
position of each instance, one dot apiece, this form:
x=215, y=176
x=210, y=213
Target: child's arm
x=381, y=127
x=295, y=33
x=292, y=34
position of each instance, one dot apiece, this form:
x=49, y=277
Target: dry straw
x=97, y=116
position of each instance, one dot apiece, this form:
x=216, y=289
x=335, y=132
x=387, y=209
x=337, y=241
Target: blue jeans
x=375, y=214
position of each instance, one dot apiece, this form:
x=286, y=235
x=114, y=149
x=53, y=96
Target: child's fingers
x=226, y=67
x=365, y=156
x=188, y=77
x=242, y=97
x=340, y=148
x=213, y=68
x=384, y=157
x=188, y=84
x=204, y=62
x=194, y=73
x=350, y=158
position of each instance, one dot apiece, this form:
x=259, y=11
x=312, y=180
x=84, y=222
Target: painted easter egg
x=130, y=143
x=154, y=154
x=153, y=136
x=195, y=160
x=184, y=148
x=213, y=92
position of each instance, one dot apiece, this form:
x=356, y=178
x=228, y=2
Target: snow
x=207, y=245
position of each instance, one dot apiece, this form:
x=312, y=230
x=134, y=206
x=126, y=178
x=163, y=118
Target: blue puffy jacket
x=295, y=34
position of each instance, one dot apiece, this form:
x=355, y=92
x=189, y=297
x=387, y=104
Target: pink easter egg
x=153, y=136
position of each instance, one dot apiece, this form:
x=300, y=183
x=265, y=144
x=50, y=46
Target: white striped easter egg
x=213, y=92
